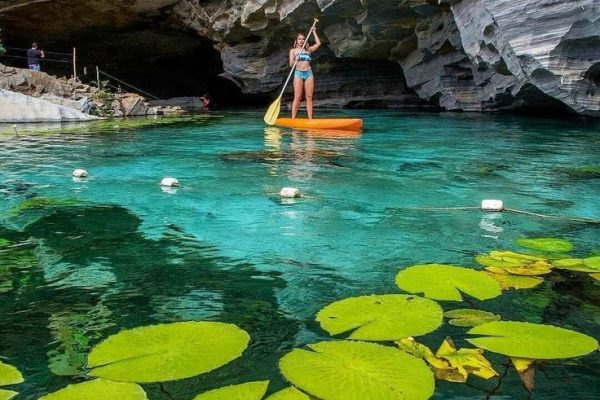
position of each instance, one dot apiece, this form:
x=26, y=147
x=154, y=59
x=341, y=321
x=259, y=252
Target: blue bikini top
x=304, y=56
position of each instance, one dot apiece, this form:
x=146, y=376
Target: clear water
x=116, y=251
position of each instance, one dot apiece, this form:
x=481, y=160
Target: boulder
x=17, y=107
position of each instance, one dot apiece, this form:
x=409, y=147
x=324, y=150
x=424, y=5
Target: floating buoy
x=492, y=205
x=170, y=182
x=289, y=192
x=80, y=173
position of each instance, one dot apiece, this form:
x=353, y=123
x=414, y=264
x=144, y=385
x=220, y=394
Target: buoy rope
x=512, y=210
x=585, y=220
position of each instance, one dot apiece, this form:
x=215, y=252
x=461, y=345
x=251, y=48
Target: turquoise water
x=116, y=251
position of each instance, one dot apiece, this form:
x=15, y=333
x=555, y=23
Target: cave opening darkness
x=160, y=61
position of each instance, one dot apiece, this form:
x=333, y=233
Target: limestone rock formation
x=469, y=55
x=17, y=107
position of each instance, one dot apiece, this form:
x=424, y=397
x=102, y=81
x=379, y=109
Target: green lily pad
x=7, y=394
x=553, y=245
x=381, y=317
x=508, y=281
x=99, y=389
x=343, y=370
x=9, y=375
x=590, y=264
x=446, y=282
x=514, y=263
x=535, y=341
x=244, y=391
x=470, y=317
x=167, y=352
x=289, y=393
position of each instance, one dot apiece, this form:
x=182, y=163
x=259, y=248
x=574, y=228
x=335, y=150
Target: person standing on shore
x=33, y=57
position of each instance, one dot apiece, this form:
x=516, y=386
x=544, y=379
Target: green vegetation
x=187, y=348
x=398, y=367
x=447, y=282
x=9, y=375
x=246, y=391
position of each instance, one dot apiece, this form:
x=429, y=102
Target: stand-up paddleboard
x=342, y=124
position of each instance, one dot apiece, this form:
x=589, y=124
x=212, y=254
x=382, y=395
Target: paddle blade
x=273, y=112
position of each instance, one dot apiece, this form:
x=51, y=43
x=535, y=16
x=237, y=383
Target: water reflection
x=308, y=152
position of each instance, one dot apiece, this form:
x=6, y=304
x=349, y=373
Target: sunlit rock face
x=468, y=55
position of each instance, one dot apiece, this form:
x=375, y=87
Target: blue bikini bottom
x=304, y=75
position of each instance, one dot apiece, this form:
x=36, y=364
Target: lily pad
x=470, y=317
x=167, y=352
x=590, y=264
x=462, y=362
x=553, y=245
x=99, y=389
x=596, y=276
x=244, y=391
x=342, y=370
x=514, y=263
x=7, y=394
x=9, y=375
x=508, y=281
x=446, y=282
x=535, y=341
x=289, y=393
x=381, y=317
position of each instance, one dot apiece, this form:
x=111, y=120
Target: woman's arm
x=317, y=44
x=292, y=57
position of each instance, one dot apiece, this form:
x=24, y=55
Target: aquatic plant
x=245, y=391
x=9, y=375
x=289, y=393
x=470, y=317
x=447, y=282
x=99, y=389
x=449, y=363
x=554, y=245
x=398, y=367
x=381, y=317
x=42, y=202
x=341, y=370
x=167, y=352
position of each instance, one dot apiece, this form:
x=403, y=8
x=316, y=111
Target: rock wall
x=470, y=55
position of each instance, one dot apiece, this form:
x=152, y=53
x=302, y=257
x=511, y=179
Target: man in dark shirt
x=33, y=57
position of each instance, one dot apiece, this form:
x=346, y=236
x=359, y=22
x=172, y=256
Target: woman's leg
x=309, y=88
x=298, y=86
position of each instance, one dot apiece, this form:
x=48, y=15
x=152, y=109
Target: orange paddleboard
x=342, y=124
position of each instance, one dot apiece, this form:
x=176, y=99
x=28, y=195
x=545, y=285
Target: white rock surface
x=17, y=107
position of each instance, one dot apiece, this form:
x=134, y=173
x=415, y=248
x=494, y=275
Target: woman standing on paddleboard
x=304, y=80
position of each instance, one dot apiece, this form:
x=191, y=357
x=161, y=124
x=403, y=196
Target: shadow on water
x=91, y=273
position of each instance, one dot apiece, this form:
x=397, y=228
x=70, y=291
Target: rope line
x=42, y=59
x=511, y=210
x=127, y=84
x=45, y=52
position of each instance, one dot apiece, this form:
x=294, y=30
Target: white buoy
x=80, y=173
x=289, y=192
x=492, y=205
x=170, y=182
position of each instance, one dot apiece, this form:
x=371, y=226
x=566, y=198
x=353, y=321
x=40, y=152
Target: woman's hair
x=297, y=36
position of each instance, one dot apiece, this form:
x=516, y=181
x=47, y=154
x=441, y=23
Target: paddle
x=273, y=110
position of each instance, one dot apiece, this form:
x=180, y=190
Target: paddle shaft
x=295, y=62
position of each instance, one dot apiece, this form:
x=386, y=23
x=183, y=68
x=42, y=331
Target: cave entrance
x=164, y=63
